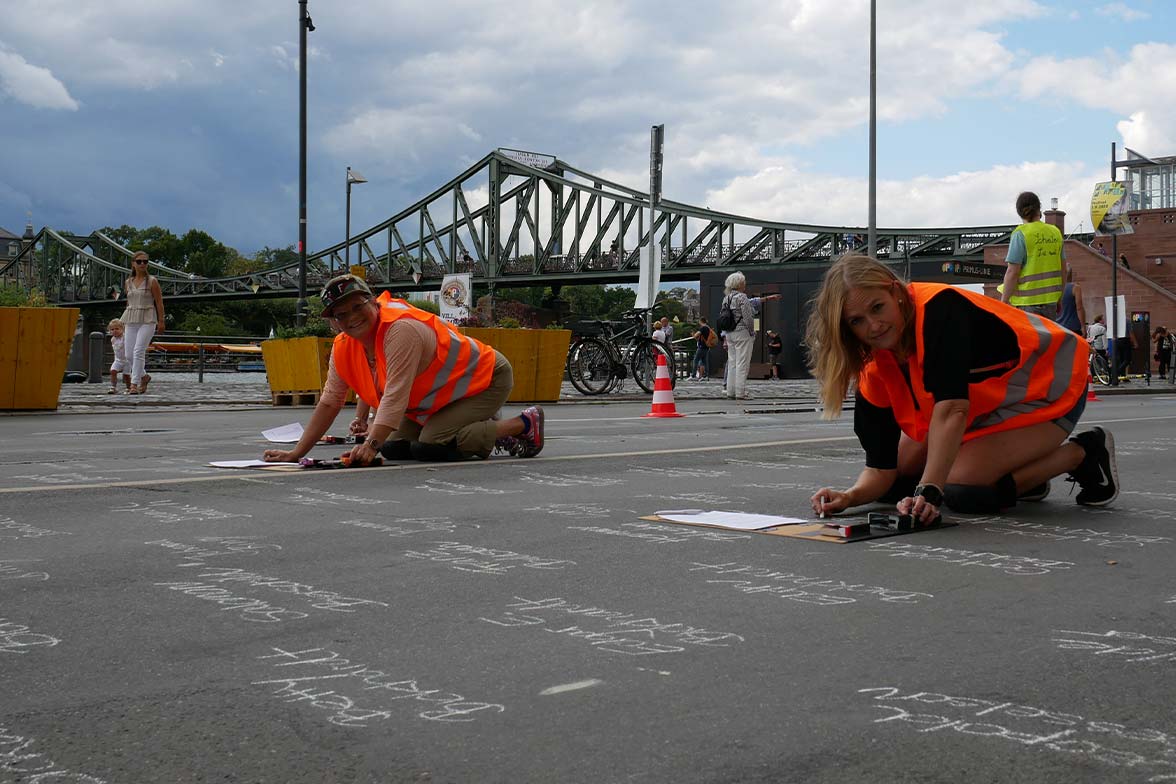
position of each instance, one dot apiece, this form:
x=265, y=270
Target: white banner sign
x=455, y=297
x=648, y=280
x=1120, y=330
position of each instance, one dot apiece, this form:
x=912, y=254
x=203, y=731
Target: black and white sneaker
x=1039, y=493
x=1097, y=475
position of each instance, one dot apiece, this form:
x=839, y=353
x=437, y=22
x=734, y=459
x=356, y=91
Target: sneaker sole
x=1109, y=445
x=1037, y=496
x=537, y=427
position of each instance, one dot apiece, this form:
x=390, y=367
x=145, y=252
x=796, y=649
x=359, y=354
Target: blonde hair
x=835, y=355
x=114, y=323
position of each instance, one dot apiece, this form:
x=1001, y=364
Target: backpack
x=712, y=338
x=726, y=320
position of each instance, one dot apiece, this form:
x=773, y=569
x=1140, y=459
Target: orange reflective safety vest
x=1042, y=386
x=462, y=367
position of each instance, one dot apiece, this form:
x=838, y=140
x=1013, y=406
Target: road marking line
x=301, y=475
x=571, y=687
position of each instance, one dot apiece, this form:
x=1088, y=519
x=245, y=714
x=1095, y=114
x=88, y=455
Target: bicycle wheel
x=644, y=363
x=590, y=368
x=1100, y=370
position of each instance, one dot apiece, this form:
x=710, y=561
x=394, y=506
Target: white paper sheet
x=246, y=464
x=286, y=434
x=739, y=521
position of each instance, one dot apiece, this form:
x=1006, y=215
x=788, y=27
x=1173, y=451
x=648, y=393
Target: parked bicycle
x=1100, y=368
x=598, y=364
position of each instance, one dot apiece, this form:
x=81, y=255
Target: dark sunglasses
x=139, y=261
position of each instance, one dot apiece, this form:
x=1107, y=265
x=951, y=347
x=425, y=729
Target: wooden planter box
x=296, y=368
x=34, y=349
x=537, y=357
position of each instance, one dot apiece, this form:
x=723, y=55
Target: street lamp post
x=305, y=25
x=872, y=218
x=352, y=177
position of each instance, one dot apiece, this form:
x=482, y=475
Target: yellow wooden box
x=34, y=349
x=296, y=365
x=537, y=357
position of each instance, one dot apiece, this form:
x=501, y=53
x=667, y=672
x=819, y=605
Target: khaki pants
x=466, y=420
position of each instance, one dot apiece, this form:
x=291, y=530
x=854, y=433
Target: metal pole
x=872, y=230
x=347, y=242
x=1114, y=290
x=303, y=25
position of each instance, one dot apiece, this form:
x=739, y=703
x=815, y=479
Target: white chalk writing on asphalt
x=316, y=668
x=1009, y=564
x=168, y=511
x=311, y=496
x=572, y=510
x=454, y=488
x=684, y=473
x=16, y=569
x=1061, y=533
x=11, y=529
x=698, y=499
x=798, y=588
x=568, y=480
x=616, y=631
x=1069, y=733
x=214, y=547
x=32, y=767
x=484, y=560
x=407, y=526
x=661, y=534
x=1161, y=648
x=17, y=638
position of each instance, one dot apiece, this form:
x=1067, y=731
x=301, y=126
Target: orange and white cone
x=1090, y=388
x=663, y=392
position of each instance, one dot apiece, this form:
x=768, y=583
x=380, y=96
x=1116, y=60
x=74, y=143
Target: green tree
x=160, y=244
x=670, y=307
x=124, y=235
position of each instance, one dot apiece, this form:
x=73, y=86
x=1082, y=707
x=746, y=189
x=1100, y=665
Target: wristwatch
x=374, y=444
x=931, y=493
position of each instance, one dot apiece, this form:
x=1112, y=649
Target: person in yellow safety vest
x=1033, y=276
x=437, y=392
x=960, y=400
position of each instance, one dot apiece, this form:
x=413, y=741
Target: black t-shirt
x=962, y=344
x=703, y=335
x=775, y=345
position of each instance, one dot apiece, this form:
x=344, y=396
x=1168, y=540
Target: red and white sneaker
x=532, y=441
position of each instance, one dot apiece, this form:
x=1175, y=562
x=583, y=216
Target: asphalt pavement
x=516, y=620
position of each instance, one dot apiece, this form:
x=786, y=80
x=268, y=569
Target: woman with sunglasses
x=142, y=319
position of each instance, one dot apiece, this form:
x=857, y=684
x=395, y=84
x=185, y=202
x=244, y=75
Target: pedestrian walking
x=119, y=366
x=142, y=319
x=705, y=338
x=1071, y=312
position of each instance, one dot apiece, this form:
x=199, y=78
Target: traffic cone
x=1090, y=388
x=663, y=391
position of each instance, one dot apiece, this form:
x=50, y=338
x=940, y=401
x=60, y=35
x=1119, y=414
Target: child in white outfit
x=115, y=328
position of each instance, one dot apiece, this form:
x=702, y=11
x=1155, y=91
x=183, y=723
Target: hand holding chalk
x=821, y=507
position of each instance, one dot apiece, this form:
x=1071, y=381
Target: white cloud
x=785, y=193
x=396, y=140
x=33, y=85
x=1139, y=87
x=1122, y=11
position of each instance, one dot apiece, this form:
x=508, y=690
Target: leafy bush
x=507, y=322
x=13, y=296
x=315, y=328
x=426, y=305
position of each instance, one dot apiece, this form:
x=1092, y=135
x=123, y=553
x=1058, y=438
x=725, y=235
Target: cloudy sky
x=185, y=114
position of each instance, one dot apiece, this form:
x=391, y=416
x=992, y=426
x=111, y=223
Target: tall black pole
x=303, y=23
x=1114, y=289
x=872, y=228
x=347, y=231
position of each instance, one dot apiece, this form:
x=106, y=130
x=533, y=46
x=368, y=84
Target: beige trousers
x=467, y=420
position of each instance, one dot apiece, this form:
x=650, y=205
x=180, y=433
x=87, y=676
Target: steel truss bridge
x=511, y=219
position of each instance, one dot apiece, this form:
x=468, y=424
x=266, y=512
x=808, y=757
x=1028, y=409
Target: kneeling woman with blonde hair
x=959, y=399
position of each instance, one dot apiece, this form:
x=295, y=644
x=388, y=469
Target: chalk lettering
x=321, y=667
x=18, y=639
x=797, y=593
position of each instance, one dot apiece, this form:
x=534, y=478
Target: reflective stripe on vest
x=1046, y=382
x=461, y=368
x=1041, y=275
